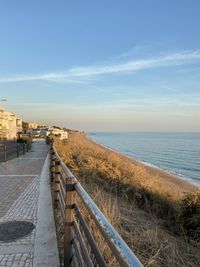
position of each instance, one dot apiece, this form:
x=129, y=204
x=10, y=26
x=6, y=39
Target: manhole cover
x=10, y=231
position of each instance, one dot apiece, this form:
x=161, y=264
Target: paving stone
x=11, y=188
x=19, y=192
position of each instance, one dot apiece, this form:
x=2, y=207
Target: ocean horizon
x=175, y=152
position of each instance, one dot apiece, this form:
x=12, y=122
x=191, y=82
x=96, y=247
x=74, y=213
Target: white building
x=10, y=125
x=60, y=133
x=44, y=132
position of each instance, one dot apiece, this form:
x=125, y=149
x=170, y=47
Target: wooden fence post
x=69, y=217
x=56, y=185
x=52, y=163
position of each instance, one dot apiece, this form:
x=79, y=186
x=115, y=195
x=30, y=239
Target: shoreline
x=174, y=183
x=150, y=165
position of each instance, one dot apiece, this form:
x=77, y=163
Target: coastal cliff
x=156, y=213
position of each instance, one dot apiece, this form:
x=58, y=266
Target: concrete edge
x=45, y=247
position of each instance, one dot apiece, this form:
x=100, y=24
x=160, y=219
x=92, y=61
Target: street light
x=3, y=100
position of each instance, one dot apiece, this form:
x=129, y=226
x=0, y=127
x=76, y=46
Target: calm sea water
x=178, y=153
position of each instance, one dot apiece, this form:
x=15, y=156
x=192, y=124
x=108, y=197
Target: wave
x=178, y=158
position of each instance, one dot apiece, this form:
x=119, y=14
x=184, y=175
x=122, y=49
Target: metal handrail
x=8, y=151
x=123, y=254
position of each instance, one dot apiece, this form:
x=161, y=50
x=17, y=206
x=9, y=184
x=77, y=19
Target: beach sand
x=173, y=184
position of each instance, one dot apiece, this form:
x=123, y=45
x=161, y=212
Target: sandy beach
x=174, y=184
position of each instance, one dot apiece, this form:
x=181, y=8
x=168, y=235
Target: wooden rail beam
x=69, y=217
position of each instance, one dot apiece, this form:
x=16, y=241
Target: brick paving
x=11, y=188
x=19, y=191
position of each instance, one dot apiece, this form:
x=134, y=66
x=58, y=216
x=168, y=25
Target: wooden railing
x=9, y=150
x=80, y=246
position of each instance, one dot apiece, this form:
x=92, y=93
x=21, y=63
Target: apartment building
x=29, y=125
x=19, y=125
x=10, y=125
x=60, y=133
x=32, y=125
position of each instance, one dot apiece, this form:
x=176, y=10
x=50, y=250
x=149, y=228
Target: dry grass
x=189, y=215
x=144, y=211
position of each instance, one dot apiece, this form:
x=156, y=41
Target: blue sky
x=102, y=65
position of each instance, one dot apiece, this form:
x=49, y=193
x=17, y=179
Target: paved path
x=25, y=195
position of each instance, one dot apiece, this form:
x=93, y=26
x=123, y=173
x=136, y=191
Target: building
x=19, y=125
x=32, y=125
x=10, y=125
x=35, y=132
x=60, y=133
x=45, y=132
x=27, y=126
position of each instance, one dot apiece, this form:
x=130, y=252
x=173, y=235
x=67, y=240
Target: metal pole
x=5, y=152
x=23, y=148
x=18, y=150
x=68, y=231
x=27, y=146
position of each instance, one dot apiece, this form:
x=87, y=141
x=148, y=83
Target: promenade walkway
x=25, y=195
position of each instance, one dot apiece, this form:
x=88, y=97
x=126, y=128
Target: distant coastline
x=178, y=173
x=174, y=182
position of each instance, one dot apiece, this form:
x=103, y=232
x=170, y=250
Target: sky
x=102, y=65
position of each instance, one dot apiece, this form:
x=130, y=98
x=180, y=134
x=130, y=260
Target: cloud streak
x=88, y=73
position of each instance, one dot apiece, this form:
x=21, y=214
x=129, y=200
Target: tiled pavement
x=19, y=196
x=10, y=189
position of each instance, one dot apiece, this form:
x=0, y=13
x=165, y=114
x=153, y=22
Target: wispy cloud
x=135, y=51
x=136, y=65
x=86, y=73
x=51, y=77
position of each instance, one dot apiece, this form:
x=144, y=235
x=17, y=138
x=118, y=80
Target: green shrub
x=189, y=215
x=24, y=140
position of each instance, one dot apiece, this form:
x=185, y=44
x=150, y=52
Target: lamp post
x=3, y=100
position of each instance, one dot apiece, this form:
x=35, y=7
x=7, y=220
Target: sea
x=176, y=153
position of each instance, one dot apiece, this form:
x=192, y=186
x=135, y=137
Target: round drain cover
x=10, y=231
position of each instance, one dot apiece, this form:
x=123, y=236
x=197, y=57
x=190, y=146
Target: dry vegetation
x=158, y=217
